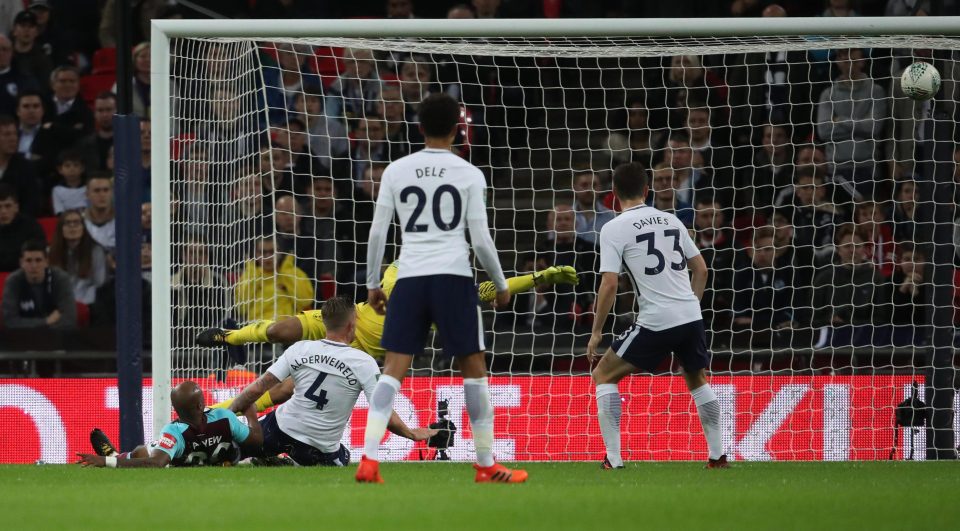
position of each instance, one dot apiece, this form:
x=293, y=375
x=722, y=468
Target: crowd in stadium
x=769, y=160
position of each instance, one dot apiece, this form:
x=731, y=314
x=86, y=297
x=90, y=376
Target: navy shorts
x=276, y=442
x=645, y=348
x=449, y=301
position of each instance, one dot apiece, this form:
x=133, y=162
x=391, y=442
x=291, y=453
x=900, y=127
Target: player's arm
x=545, y=277
x=611, y=261
x=376, y=242
x=155, y=459
x=249, y=435
x=483, y=245
x=252, y=392
x=698, y=274
x=398, y=427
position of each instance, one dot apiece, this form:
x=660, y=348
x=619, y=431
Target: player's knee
x=696, y=379
x=285, y=331
x=600, y=376
x=140, y=451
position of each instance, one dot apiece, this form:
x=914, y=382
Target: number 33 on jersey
x=433, y=192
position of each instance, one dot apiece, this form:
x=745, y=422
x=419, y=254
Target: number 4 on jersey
x=311, y=394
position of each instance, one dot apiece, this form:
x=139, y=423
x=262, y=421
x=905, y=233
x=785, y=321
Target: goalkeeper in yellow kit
x=308, y=325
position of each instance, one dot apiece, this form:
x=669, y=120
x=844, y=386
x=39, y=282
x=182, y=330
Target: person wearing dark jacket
x=848, y=297
x=37, y=295
x=763, y=294
x=15, y=229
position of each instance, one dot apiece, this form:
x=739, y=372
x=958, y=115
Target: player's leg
x=285, y=331
x=606, y=375
x=405, y=332
x=695, y=359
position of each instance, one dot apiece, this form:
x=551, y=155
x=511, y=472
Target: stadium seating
x=105, y=61
x=49, y=226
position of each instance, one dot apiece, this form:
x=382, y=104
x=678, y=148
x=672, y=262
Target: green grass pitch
x=558, y=496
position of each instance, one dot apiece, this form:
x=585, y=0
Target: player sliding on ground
x=309, y=324
x=198, y=437
x=656, y=251
x=436, y=196
x=328, y=376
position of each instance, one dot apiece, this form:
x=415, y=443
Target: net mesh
x=803, y=174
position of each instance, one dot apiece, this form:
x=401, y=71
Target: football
x=920, y=81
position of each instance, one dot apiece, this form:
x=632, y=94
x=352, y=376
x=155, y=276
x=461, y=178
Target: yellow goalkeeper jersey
x=369, y=322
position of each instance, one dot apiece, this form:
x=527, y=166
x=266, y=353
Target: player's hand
x=592, y=345
x=91, y=460
x=558, y=275
x=422, y=434
x=377, y=300
x=502, y=299
x=54, y=317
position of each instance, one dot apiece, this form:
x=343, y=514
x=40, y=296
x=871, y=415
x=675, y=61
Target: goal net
x=817, y=193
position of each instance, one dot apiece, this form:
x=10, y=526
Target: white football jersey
x=328, y=379
x=654, y=247
x=434, y=193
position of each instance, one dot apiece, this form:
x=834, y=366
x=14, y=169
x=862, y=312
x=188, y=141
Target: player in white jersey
x=437, y=196
x=328, y=377
x=656, y=251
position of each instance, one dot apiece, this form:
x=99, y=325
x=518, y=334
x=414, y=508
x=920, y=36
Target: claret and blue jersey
x=215, y=444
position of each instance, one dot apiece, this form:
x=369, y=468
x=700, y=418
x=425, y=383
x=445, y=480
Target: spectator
x=763, y=298
x=417, y=81
x=15, y=229
x=197, y=291
x=363, y=207
x=287, y=79
x=910, y=310
x=815, y=217
x=70, y=192
x=850, y=119
x=146, y=148
x=303, y=164
x=905, y=212
x=193, y=195
x=688, y=176
x=790, y=253
x=247, y=213
x=267, y=290
x=665, y=196
x=294, y=236
x=329, y=232
x=40, y=141
x=28, y=55
x=369, y=144
x=839, y=8
x=96, y=145
x=486, y=8
x=276, y=169
x=355, y=92
x=8, y=11
x=65, y=106
x=566, y=247
x=400, y=9
x=36, y=295
x=11, y=80
x=637, y=142
x=770, y=173
x=74, y=251
x=687, y=74
x=848, y=296
x=402, y=135
x=16, y=171
x=875, y=229
x=327, y=135
x=99, y=216
x=460, y=11
x=141, y=80
x=590, y=213
x=714, y=238
x=716, y=158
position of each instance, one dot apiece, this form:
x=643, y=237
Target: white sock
x=381, y=406
x=476, y=394
x=708, y=409
x=608, y=411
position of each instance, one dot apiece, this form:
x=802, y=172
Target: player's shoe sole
x=212, y=337
x=499, y=474
x=368, y=471
x=718, y=463
x=606, y=465
x=274, y=460
x=101, y=443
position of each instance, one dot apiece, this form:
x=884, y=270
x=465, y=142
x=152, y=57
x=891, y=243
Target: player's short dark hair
x=33, y=246
x=630, y=180
x=8, y=192
x=439, y=114
x=337, y=312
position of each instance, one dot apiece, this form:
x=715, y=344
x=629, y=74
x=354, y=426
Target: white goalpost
x=821, y=196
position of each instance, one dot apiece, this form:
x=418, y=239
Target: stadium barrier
x=539, y=418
